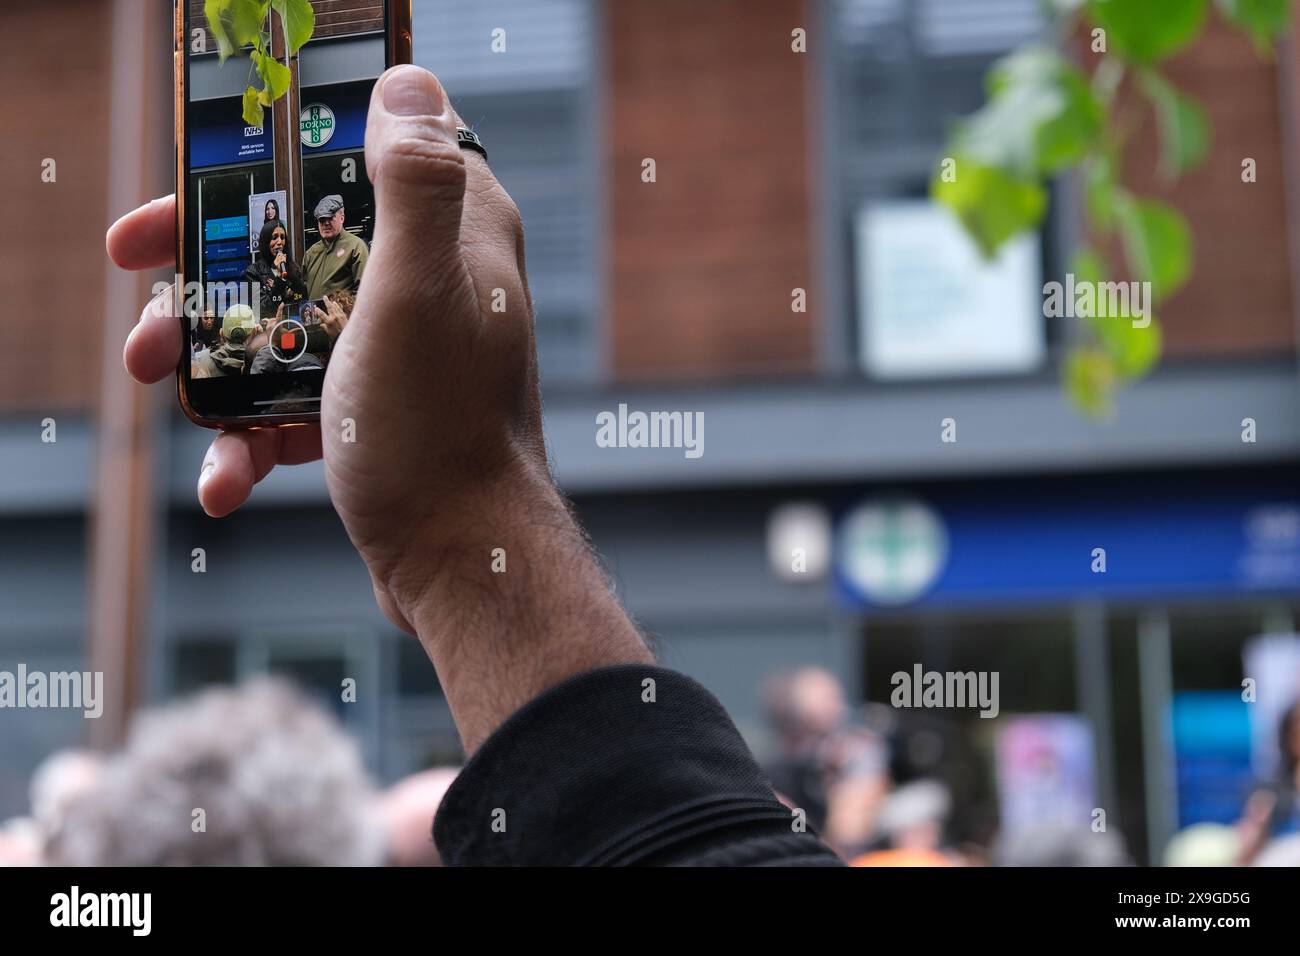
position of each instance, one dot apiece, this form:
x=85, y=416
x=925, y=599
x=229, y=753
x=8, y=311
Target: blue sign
x=229, y=269
x=1020, y=541
x=348, y=102
x=230, y=227
x=220, y=137
x=1211, y=732
x=225, y=250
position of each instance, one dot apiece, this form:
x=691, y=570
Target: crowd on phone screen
x=317, y=297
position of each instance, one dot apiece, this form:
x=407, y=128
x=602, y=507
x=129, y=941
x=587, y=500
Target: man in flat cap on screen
x=335, y=263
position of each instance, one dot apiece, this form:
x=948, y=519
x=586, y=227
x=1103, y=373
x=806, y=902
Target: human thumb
x=415, y=164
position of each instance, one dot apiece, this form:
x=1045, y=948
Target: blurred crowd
x=261, y=775
x=253, y=776
x=887, y=793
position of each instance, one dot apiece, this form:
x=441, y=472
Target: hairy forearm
x=515, y=602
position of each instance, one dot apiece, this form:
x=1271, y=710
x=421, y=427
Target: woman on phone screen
x=278, y=276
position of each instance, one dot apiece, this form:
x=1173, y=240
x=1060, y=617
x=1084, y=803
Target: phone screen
x=276, y=209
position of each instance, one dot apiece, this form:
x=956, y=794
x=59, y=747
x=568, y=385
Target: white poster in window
x=264, y=208
x=1045, y=772
x=1272, y=661
x=930, y=305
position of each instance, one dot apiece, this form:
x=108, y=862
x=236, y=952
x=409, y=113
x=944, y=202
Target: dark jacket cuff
x=622, y=765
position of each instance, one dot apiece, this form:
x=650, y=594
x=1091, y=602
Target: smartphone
x=274, y=210
x=295, y=341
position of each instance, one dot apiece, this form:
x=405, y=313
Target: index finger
x=144, y=238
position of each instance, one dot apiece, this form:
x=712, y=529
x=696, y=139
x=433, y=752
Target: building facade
x=771, y=169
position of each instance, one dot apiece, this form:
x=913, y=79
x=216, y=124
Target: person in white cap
x=237, y=325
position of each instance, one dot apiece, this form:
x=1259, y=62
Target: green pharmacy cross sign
x=893, y=549
x=316, y=125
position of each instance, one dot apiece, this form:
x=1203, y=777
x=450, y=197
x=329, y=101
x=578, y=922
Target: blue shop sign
x=228, y=227
x=1211, y=735
x=228, y=269
x=1021, y=541
x=235, y=249
x=334, y=117
x=220, y=137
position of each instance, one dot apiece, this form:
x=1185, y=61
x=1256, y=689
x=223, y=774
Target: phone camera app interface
x=279, y=210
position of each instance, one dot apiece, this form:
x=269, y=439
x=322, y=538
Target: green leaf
x=1090, y=381
x=1158, y=244
x=253, y=113
x=1041, y=115
x=212, y=12
x=1148, y=31
x=1101, y=192
x=299, y=21
x=1264, y=20
x=275, y=76
x=1184, y=128
x=1064, y=139
x=992, y=204
x=235, y=23
x=1133, y=349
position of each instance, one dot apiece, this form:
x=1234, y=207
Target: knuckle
x=514, y=221
x=503, y=215
x=423, y=162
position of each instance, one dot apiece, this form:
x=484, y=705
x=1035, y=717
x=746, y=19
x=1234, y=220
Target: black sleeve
x=624, y=765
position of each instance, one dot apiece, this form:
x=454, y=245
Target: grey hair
x=278, y=780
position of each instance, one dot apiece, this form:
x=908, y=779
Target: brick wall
x=333, y=17
x=1238, y=301
x=52, y=263
x=703, y=260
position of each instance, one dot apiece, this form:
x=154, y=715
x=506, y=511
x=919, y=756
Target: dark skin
x=429, y=489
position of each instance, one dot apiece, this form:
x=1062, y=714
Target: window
x=202, y=662
x=900, y=73
x=30, y=736
x=533, y=107
x=220, y=206
x=319, y=675
x=320, y=178
x=1032, y=655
